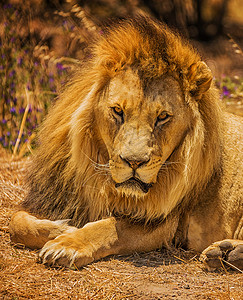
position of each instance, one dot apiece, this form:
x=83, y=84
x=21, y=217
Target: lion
x=135, y=155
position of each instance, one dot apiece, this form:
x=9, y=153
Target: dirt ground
x=155, y=275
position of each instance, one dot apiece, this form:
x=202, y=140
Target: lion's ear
x=200, y=77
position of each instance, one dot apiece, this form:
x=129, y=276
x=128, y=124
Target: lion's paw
x=226, y=252
x=65, y=251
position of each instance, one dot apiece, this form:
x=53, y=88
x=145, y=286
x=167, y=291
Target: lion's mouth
x=135, y=182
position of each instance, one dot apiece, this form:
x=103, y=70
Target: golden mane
x=69, y=176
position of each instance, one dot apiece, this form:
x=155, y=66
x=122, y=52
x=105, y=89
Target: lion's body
x=139, y=137
x=218, y=213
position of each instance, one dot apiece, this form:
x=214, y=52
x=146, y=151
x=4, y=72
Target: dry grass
x=154, y=275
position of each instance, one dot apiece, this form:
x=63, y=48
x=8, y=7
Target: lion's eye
x=118, y=114
x=118, y=110
x=163, y=118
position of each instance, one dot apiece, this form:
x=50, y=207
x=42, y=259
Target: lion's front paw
x=66, y=251
x=228, y=252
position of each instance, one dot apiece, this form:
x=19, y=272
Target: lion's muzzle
x=134, y=177
x=135, y=182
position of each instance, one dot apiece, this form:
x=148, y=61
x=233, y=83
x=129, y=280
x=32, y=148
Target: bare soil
x=161, y=274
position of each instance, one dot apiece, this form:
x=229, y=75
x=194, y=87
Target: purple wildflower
x=21, y=110
x=60, y=66
x=20, y=61
x=12, y=110
x=6, y=6
x=4, y=121
x=226, y=92
x=11, y=74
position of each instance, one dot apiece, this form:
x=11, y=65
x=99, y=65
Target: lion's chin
x=133, y=186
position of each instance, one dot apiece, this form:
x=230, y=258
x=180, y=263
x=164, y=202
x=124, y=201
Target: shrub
x=29, y=80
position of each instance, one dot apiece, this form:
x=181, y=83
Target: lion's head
x=132, y=134
x=141, y=125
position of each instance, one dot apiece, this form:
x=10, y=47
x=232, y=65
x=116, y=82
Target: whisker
x=173, y=162
x=96, y=163
x=100, y=168
x=97, y=173
x=94, y=185
x=169, y=163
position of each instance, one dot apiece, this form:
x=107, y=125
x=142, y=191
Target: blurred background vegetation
x=42, y=41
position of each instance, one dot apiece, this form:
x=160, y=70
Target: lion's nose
x=134, y=164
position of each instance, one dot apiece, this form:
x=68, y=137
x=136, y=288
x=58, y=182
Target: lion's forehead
x=131, y=92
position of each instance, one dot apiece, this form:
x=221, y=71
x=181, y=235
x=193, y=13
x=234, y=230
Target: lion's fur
x=69, y=177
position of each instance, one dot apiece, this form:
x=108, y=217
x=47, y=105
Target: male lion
x=138, y=155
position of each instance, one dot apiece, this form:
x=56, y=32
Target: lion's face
x=141, y=125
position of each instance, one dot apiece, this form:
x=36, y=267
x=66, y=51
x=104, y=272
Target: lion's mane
x=69, y=176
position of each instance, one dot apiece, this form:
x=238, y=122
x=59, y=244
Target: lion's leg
x=229, y=252
x=34, y=233
x=102, y=238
